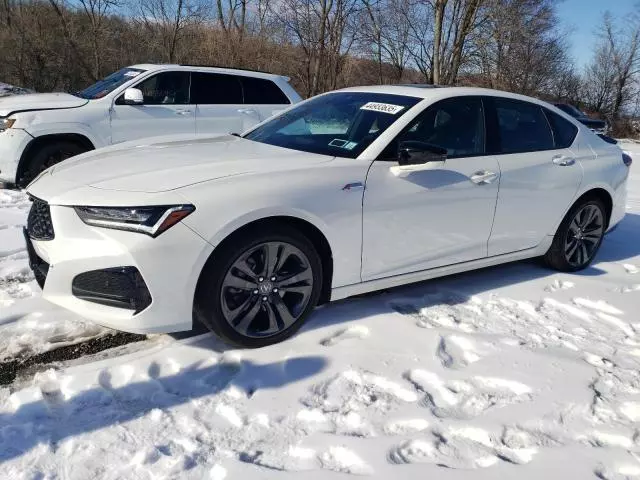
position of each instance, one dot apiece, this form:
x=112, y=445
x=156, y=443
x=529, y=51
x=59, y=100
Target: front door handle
x=483, y=177
x=563, y=160
x=183, y=112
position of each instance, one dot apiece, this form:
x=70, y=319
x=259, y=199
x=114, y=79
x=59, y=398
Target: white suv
x=40, y=130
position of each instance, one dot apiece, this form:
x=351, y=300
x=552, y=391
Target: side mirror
x=417, y=153
x=133, y=96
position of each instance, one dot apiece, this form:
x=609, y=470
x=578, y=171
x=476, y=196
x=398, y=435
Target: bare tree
x=97, y=11
x=598, y=81
x=62, y=11
x=522, y=49
x=384, y=33
x=324, y=32
x=233, y=16
x=440, y=30
x=623, y=46
x=167, y=20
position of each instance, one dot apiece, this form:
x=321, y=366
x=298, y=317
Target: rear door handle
x=483, y=177
x=183, y=112
x=563, y=160
x=247, y=111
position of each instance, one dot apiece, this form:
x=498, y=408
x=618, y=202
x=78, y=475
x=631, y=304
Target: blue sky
x=583, y=17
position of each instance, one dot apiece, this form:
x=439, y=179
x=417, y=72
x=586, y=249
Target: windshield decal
x=382, y=107
x=346, y=144
x=337, y=142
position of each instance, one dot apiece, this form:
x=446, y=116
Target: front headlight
x=6, y=123
x=151, y=221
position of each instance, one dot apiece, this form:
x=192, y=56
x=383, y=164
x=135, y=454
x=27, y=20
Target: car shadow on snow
x=122, y=395
x=623, y=242
x=619, y=246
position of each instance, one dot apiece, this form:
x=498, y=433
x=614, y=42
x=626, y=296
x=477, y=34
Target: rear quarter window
x=259, y=91
x=564, y=132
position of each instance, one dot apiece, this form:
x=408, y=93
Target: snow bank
x=6, y=89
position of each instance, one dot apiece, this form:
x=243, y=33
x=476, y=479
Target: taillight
x=626, y=158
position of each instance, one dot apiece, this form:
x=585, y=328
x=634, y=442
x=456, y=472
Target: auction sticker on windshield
x=382, y=107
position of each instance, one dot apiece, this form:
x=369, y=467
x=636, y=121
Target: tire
x=567, y=253
x=46, y=156
x=218, y=301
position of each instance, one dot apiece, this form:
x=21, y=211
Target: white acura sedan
x=352, y=191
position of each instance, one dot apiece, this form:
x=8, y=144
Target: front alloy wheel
x=259, y=286
x=267, y=289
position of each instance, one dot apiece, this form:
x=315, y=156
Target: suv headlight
x=6, y=123
x=151, y=221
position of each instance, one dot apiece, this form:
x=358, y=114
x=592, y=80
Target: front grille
x=39, y=225
x=121, y=287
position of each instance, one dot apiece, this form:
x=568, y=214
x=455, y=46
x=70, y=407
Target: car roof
x=431, y=92
x=207, y=68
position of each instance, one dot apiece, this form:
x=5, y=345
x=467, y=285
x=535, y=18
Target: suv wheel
x=579, y=236
x=46, y=156
x=259, y=289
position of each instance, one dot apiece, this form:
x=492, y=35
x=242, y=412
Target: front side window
x=215, y=89
x=454, y=124
x=522, y=126
x=340, y=124
x=167, y=88
x=109, y=84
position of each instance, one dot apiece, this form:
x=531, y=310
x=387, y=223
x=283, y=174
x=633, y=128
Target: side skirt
x=414, y=277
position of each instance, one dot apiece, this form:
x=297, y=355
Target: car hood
x=38, y=101
x=161, y=165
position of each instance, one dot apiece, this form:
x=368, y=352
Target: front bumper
x=12, y=143
x=169, y=266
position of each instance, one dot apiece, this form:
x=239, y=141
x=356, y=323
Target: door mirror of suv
x=417, y=153
x=133, y=96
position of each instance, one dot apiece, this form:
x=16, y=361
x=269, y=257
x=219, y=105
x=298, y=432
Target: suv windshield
x=340, y=124
x=109, y=84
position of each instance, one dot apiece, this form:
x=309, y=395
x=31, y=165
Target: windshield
x=340, y=124
x=109, y=84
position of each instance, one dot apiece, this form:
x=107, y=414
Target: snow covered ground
x=28, y=324
x=510, y=372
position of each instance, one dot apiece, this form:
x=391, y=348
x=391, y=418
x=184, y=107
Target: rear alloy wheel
x=261, y=290
x=579, y=237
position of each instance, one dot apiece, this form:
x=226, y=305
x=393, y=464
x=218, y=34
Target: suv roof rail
x=420, y=85
x=229, y=68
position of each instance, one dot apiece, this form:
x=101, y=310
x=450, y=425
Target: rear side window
x=215, y=89
x=522, y=126
x=259, y=91
x=564, y=132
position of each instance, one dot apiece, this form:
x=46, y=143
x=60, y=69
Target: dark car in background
x=598, y=126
